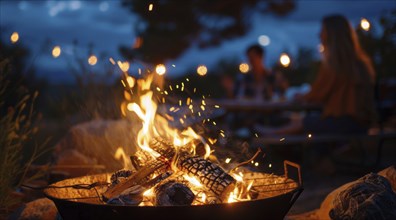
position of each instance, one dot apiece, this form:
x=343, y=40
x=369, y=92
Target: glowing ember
x=193, y=180
x=124, y=66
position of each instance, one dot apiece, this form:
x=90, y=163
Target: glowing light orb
x=56, y=52
x=160, y=69
x=92, y=60
x=264, y=40
x=244, y=67
x=284, y=60
x=320, y=48
x=365, y=24
x=14, y=37
x=202, y=70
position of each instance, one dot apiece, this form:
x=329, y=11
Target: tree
x=171, y=27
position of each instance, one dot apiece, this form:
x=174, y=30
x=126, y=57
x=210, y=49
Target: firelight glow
x=92, y=60
x=14, y=37
x=56, y=52
x=124, y=66
x=244, y=67
x=160, y=69
x=284, y=60
x=365, y=24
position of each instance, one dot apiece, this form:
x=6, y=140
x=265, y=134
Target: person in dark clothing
x=256, y=84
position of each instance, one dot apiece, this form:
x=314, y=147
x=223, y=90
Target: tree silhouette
x=171, y=27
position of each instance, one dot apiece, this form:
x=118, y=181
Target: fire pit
x=173, y=173
x=80, y=198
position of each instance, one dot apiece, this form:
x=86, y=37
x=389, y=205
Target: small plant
x=16, y=129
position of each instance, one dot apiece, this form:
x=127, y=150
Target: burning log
x=130, y=196
x=141, y=177
x=173, y=193
x=209, y=174
x=134, y=194
x=120, y=176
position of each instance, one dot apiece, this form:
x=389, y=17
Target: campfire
x=171, y=166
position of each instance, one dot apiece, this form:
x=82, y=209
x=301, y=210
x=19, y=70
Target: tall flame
x=153, y=124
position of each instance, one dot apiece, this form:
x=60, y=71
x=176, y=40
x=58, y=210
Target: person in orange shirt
x=344, y=85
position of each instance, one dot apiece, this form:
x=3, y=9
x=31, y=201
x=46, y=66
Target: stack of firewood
x=164, y=174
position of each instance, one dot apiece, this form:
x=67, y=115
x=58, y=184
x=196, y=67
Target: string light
x=244, y=67
x=202, y=70
x=14, y=37
x=92, y=60
x=284, y=60
x=56, y=52
x=160, y=69
x=365, y=24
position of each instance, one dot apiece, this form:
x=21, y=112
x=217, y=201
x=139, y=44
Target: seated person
x=257, y=83
x=344, y=85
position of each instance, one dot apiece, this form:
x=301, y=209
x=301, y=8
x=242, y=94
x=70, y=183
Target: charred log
x=209, y=174
x=120, y=176
x=130, y=196
x=141, y=177
x=173, y=193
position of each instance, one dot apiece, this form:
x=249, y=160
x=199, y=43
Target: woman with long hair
x=344, y=85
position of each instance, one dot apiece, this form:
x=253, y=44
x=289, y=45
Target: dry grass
x=16, y=129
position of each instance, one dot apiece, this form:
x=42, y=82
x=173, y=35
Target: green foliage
x=382, y=49
x=17, y=128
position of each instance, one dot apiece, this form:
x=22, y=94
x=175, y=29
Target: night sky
x=106, y=25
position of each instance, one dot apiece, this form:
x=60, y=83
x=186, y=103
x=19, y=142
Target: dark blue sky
x=107, y=25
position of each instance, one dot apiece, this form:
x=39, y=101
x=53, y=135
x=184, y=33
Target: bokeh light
x=365, y=24
x=202, y=70
x=14, y=37
x=320, y=48
x=244, y=67
x=284, y=60
x=124, y=66
x=56, y=52
x=160, y=69
x=131, y=81
x=92, y=60
x=264, y=40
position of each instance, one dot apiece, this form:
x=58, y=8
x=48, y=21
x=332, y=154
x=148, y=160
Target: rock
x=390, y=174
x=40, y=209
x=329, y=202
x=96, y=142
x=370, y=197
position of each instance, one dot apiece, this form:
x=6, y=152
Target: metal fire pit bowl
x=79, y=198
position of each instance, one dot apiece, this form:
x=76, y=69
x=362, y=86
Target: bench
x=333, y=139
